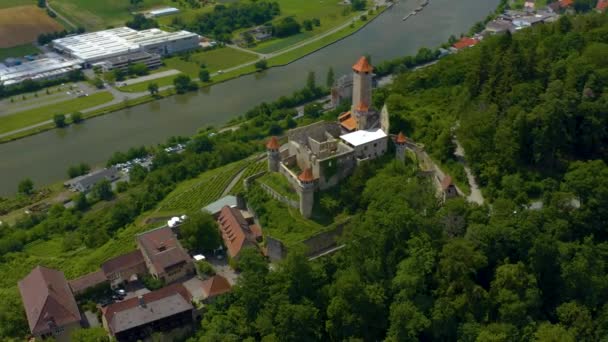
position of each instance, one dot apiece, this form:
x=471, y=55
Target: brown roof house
x=124, y=268
x=206, y=291
x=236, y=232
x=164, y=256
x=138, y=317
x=49, y=304
x=448, y=188
x=88, y=281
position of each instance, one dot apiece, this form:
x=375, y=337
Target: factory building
x=37, y=70
x=102, y=45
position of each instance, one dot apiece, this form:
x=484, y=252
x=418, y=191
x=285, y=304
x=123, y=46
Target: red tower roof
x=363, y=65
x=401, y=139
x=273, y=144
x=361, y=107
x=306, y=176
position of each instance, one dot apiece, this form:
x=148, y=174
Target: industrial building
x=102, y=45
x=37, y=70
x=151, y=60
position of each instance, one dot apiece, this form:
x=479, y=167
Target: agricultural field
x=251, y=170
x=18, y=51
x=22, y=25
x=206, y=188
x=33, y=116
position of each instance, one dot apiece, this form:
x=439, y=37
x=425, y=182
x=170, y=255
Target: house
x=50, y=307
x=86, y=182
x=164, y=255
x=88, y=281
x=601, y=6
x=448, y=188
x=138, y=317
x=499, y=26
x=236, y=232
x=206, y=291
x=124, y=268
x=465, y=42
x=566, y=3
x=216, y=207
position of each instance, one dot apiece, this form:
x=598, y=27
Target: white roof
x=114, y=42
x=166, y=10
x=199, y=257
x=38, y=69
x=363, y=137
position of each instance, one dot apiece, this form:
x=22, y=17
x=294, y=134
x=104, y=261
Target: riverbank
x=280, y=58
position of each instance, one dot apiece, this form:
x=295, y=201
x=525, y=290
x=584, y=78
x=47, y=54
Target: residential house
x=206, y=291
x=236, y=232
x=601, y=6
x=88, y=281
x=50, y=307
x=164, y=255
x=138, y=317
x=448, y=188
x=216, y=207
x=86, y=182
x=124, y=268
x=465, y=42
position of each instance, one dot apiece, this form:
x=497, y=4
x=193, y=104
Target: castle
x=320, y=155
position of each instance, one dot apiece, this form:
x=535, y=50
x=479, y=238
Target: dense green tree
x=26, y=187
x=102, y=190
x=200, y=232
x=59, y=120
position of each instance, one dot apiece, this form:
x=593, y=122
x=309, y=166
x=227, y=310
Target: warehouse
x=102, y=45
x=37, y=70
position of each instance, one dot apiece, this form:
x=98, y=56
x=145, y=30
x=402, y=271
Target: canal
x=45, y=157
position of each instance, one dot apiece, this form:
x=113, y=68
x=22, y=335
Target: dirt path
x=48, y=5
x=475, y=196
x=239, y=175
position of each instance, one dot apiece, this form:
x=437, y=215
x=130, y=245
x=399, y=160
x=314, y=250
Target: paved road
x=150, y=77
x=475, y=196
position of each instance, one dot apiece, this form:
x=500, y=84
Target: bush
x=78, y=170
x=204, y=269
x=152, y=283
x=76, y=117
x=261, y=64
x=59, y=120
x=122, y=186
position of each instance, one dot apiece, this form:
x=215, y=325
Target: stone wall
x=272, y=193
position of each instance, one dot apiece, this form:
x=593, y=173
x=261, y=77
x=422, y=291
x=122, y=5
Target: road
x=475, y=196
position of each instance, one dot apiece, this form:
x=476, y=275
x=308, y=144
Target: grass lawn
x=278, y=182
x=217, y=59
x=18, y=51
x=34, y=116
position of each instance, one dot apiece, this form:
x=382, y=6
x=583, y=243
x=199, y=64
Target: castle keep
x=320, y=155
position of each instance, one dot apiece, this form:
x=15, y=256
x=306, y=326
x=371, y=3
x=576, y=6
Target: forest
x=530, y=110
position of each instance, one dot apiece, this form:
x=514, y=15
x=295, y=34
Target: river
x=45, y=157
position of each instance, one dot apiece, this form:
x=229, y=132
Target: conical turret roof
x=401, y=139
x=306, y=176
x=363, y=65
x=273, y=144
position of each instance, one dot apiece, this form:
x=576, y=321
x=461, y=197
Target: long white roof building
x=101, y=45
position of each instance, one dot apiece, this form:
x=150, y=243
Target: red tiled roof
x=215, y=286
x=256, y=230
x=123, y=262
x=446, y=182
x=566, y=3
x=363, y=65
x=162, y=248
x=78, y=285
x=232, y=226
x=602, y=5
x=110, y=311
x=361, y=107
x=401, y=139
x=465, y=42
x=348, y=121
x=47, y=300
x=306, y=176
x=273, y=144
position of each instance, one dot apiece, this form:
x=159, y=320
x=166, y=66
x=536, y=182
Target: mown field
x=22, y=24
x=33, y=116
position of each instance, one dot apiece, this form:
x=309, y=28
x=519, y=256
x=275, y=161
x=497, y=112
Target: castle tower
x=362, y=83
x=306, y=192
x=400, y=147
x=272, y=151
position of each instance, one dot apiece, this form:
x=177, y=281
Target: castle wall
x=335, y=169
x=372, y=149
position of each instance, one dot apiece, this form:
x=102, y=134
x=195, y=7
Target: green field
x=18, y=51
x=217, y=59
x=251, y=170
x=206, y=188
x=98, y=15
x=37, y=115
x=15, y=3
x=279, y=184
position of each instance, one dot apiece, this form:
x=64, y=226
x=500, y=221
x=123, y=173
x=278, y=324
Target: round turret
x=274, y=157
